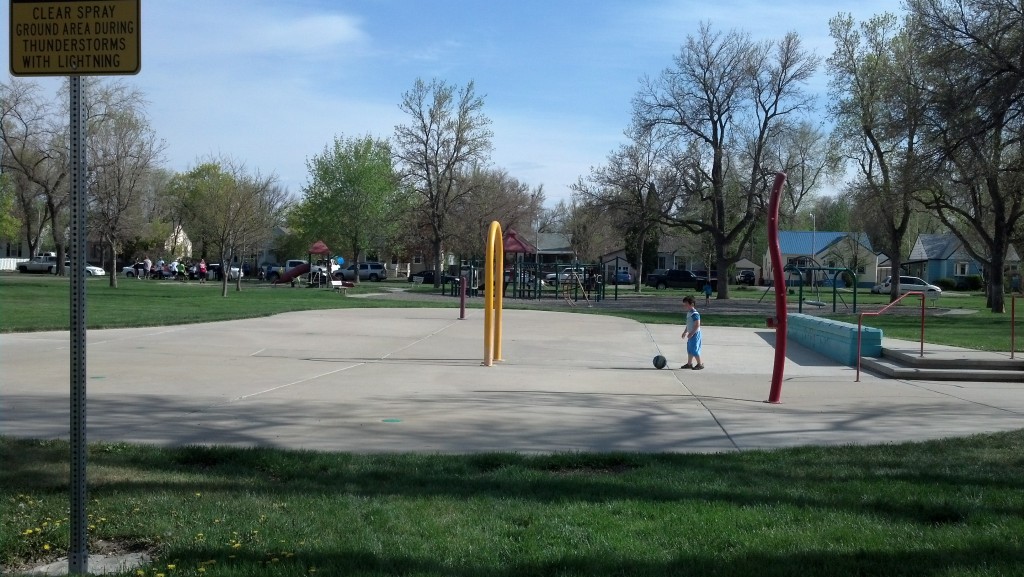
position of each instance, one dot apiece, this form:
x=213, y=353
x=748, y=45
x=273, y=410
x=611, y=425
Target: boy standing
x=692, y=335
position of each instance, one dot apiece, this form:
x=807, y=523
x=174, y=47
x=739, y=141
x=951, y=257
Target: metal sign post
x=78, y=551
x=75, y=38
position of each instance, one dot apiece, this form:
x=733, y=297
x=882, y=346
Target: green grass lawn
x=951, y=508
x=40, y=302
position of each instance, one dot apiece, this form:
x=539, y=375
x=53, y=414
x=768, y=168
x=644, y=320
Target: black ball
x=660, y=362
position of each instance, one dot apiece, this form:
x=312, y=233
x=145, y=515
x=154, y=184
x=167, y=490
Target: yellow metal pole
x=494, y=258
x=499, y=285
x=488, y=301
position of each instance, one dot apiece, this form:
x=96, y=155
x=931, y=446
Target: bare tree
x=229, y=208
x=123, y=151
x=447, y=135
x=36, y=155
x=494, y=195
x=727, y=100
x=639, y=185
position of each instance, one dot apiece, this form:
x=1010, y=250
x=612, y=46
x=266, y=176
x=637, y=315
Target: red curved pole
x=775, y=252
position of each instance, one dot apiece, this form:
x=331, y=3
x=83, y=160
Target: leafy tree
x=879, y=107
x=648, y=241
x=352, y=196
x=975, y=121
x=9, y=223
x=447, y=135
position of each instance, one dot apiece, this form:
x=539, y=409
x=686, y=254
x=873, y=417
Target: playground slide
x=292, y=274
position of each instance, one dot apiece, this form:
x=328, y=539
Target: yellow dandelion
x=171, y=567
x=160, y=575
x=236, y=545
x=199, y=494
x=140, y=572
x=201, y=569
x=46, y=547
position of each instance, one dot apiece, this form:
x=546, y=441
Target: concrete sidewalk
x=410, y=380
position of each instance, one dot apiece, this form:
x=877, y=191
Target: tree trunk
x=439, y=273
x=113, y=267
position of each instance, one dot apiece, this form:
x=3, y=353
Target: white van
x=912, y=284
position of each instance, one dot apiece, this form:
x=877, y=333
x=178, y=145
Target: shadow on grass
x=936, y=483
x=971, y=558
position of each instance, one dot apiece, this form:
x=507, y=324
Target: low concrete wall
x=836, y=340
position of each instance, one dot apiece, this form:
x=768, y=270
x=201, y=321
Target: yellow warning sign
x=74, y=37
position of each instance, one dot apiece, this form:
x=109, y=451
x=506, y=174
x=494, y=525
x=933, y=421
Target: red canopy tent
x=320, y=248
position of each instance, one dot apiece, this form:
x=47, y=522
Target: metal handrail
x=860, y=323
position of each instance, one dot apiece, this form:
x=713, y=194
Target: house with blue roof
x=816, y=257
x=938, y=256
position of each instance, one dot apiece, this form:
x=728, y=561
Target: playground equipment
x=834, y=283
x=494, y=278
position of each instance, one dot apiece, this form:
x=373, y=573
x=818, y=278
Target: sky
x=270, y=83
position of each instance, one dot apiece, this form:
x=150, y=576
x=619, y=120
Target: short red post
x=462, y=298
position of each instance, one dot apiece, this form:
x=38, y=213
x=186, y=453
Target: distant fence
x=10, y=264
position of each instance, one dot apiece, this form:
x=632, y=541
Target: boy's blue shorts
x=693, y=344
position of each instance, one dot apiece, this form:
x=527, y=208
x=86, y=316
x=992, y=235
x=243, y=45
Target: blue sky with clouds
x=271, y=82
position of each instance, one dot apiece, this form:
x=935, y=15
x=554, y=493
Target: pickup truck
x=44, y=263
x=674, y=278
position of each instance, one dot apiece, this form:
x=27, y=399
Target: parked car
x=425, y=276
x=44, y=263
x=911, y=284
x=674, y=278
x=746, y=277
x=90, y=269
x=622, y=277
x=214, y=272
x=372, y=271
